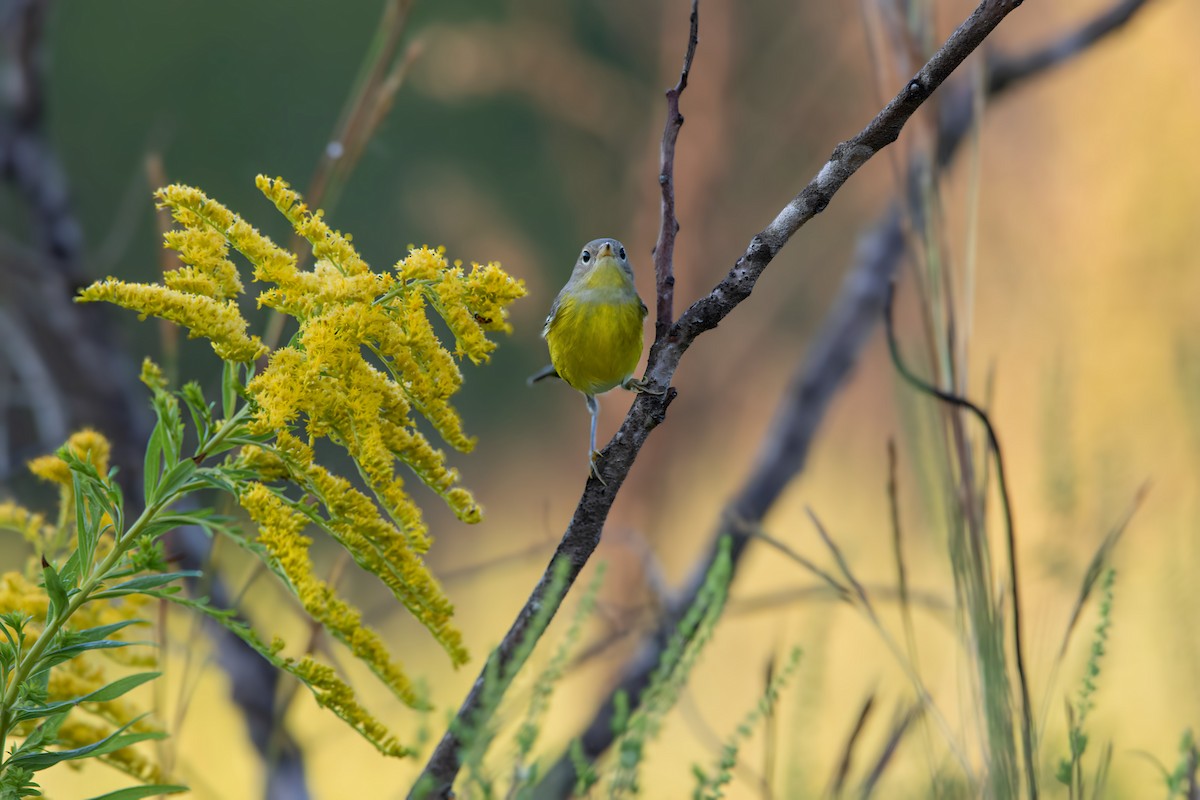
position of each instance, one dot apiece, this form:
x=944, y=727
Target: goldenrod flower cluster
x=354, y=521
x=364, y=363
x=200, y=296
x=333, y=693
x=86, y=445
x=25, y=522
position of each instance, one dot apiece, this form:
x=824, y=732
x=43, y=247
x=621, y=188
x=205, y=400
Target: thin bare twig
x=664, y=248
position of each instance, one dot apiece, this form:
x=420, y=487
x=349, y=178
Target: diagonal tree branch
x=852, y=319
x=583, y=533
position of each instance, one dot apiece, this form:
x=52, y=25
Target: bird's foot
x=641, y=387
x=593, y=458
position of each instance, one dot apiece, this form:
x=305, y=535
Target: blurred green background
x=526, y=128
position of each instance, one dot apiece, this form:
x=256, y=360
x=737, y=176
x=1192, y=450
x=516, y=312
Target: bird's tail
x=547, y=371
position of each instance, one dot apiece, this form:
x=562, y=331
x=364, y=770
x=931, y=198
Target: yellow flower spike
x=221, y=322
x=380, y=548
x=152, y=376
x=31, y=526
x=193, y=209
x=267, y=464
x=489, y=291
x=209, y=271
x=18, y=593
x=89, y=445
x=332, y=693
x=278, y=391
x=327, y=244
x=422, y=264
x=51, y=468
x=279, y=531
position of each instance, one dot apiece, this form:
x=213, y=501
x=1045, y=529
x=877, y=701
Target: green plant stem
x=34, y=655
x=227, y=429
x=26, y=665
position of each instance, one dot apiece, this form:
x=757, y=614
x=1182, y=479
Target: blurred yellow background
x=529, y=127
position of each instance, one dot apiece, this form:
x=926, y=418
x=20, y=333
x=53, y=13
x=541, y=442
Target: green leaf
x=56, y=590
x=137, y=792
x=200, y=410
x=217, y=479
x=142, y=583
x=111, y=743
x=42, y=735
x=175, y=478
x=172, y=425
x=102, y=695
x=66, y=653
x=100, y=631
x=152, y=464
x=87, y=523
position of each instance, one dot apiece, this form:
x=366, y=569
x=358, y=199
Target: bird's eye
x=585, y=256
x=622, y=253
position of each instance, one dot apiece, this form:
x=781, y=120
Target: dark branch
x=583, y=534
x=853, y=318
x=1009, y=70
x=664, y=248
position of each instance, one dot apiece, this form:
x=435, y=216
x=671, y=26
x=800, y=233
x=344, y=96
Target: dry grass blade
x=910, y=638
x=899, y=729
x=1095, y=568
x=843, y=565
x=942, y=610
x=838, y=782
x=1026, y=719
x=923, y=695
x=841, y=591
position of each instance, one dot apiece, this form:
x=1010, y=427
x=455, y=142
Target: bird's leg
x=594, y=407
x=641, y=387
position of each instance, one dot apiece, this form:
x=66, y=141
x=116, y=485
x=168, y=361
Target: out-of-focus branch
x=664, y=248
x=1004, y=71
x=380, y=77
x=583, y=533
x=89, y=382
x=853, y=318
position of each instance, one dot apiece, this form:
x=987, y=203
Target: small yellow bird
x=594, y=330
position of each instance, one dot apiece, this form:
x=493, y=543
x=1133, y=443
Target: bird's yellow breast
x=595, y=335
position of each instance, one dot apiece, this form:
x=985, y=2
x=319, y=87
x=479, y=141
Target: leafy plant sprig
x=256, y=445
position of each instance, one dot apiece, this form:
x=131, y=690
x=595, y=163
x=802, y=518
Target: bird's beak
x=606, y=250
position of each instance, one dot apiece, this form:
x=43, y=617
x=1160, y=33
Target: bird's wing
x=553, y=312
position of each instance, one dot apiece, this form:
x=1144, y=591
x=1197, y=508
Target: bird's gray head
x=600, y=251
